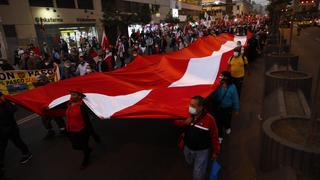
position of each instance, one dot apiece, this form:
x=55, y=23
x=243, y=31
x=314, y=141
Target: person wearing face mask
x=78, y=125
x=89, y=70
x=225, y=100
x=9, y=130
x=200, y=137
x=82, y=67
x=106, y=64
x=237, y=66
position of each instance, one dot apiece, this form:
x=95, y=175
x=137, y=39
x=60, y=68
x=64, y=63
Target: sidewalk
x=241, y=149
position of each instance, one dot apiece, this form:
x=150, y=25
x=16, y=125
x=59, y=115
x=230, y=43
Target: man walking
x=9, y=130
x=200, y=138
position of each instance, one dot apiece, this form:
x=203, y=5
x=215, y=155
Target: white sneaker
x=220, y=140
x=228, y=131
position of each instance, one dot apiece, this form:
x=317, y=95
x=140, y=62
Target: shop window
x=85, y=4
x=4, y=2
x=41, y=3
x=10, y=30
x=65, y=4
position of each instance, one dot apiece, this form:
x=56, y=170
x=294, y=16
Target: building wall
x=25, y=18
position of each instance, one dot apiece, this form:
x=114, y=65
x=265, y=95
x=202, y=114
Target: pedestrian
x=82, y=67
x=224, y=101
x=78, y=125
x=106, y=64
x=237, y=66
x=200, y=138
x=9, y=130
x=47, y=123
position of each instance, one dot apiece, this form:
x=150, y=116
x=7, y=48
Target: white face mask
x=242, y=50
x=236, y=53
x=46, y=63
x=192, y=110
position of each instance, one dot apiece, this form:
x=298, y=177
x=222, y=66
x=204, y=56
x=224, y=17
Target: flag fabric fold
x=152, y=86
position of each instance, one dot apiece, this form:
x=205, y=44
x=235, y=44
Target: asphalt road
x=131, y=149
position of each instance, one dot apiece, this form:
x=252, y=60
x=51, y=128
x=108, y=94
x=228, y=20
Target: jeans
x=199, y=160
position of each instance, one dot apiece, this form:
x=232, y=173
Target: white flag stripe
x=201, y=71
x=105, y=106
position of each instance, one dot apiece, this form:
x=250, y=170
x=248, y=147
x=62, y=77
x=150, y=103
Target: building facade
x=218, y=8
x=185, y=7
x=37, y=21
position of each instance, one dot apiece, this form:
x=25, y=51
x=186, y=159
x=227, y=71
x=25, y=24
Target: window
x=41, y=3
x=85, y=4
x=65, y=4
x=10, y=30
x=5, y=2
x=238, y=7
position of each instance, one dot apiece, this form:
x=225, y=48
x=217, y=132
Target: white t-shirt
x=82, y=69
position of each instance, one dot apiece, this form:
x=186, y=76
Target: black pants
x=238, y=83
x=80, y=141
x=46, y=120
x=223, y=119
x=13, y=134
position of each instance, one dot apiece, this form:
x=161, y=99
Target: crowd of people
x=209, y=121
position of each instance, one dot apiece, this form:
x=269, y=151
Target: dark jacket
x=7, y=111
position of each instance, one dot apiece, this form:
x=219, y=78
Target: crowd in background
x=152, y=39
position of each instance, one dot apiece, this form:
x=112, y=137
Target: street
x=146, y=149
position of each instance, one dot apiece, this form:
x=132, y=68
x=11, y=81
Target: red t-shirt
x=75, y=121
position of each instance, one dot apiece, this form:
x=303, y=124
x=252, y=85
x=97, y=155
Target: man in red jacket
x=200, y=138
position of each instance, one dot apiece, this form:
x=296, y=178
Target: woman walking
x=78, y=125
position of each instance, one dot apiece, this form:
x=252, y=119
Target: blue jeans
x=199, y=160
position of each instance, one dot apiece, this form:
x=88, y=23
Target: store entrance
x=79, y=37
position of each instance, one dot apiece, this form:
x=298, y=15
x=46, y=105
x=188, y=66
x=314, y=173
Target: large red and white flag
x=153, y=86
x=104, y=41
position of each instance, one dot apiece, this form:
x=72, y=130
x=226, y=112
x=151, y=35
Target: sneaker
x=220, y=140
x=228, y=131
x=50, y=135
x=25, y=158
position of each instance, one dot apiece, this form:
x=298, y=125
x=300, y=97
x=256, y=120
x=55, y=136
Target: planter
x=284, y=103
x=282, y=60
x=288, y=80
x=276, y=48
x=284, y=144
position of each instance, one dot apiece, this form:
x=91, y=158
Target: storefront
x=71, y=33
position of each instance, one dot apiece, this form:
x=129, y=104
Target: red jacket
x=75, y=120
x=206, y=123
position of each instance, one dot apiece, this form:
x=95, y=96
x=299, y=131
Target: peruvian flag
x=104, y=42
x=153, y=86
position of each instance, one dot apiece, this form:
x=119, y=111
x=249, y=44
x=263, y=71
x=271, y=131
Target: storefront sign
x=85, y=20
x=12, y=82
x=48, y=20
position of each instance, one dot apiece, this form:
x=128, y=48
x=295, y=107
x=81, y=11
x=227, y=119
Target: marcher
x=82, y=67
x=78, y=125
x=237, y=65
x=200, y=138
x=224, y=101
x=9, y=130
x=46, y=121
